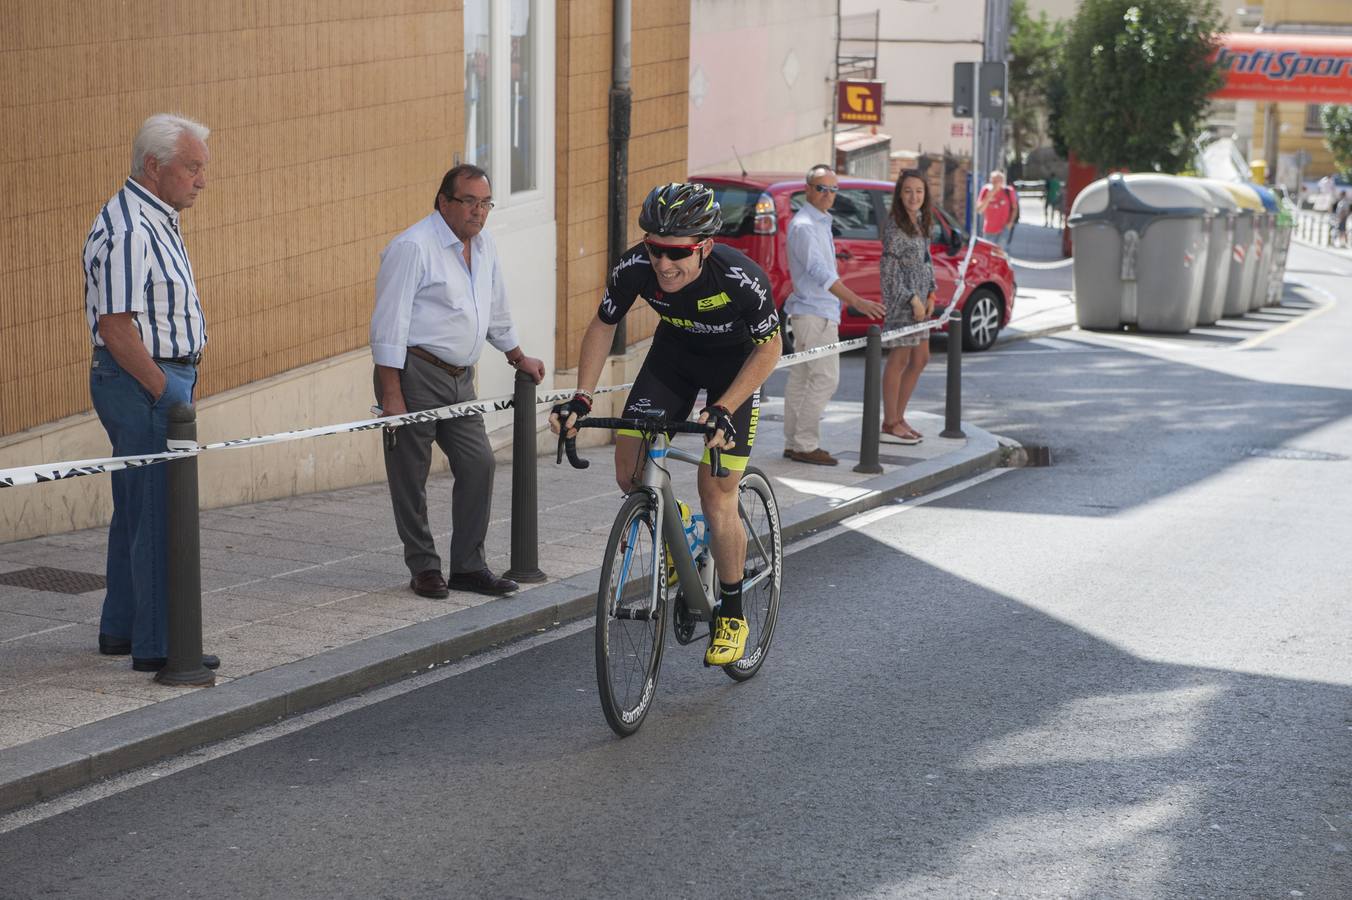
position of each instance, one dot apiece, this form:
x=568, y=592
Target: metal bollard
x=873, y=378
x=183, y=546
x=953, y=385
x=525, y=491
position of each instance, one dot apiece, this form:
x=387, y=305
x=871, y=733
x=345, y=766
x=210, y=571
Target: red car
x=756, y=213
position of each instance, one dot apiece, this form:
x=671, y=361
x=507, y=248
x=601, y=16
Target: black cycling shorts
x=670, y=380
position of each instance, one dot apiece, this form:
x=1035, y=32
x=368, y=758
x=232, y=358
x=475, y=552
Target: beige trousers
x=810, y=384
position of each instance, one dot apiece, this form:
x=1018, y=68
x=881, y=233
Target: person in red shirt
x=998, y=205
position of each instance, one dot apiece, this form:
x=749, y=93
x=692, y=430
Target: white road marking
x=146, y=774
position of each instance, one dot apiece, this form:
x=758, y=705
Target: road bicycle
x=652, y=550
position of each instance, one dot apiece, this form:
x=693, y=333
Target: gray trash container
x=1140, y=252
x=1245, y=255
x=1220, y=246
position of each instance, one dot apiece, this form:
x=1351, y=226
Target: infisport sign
x=1296, y=68
x=859, y=103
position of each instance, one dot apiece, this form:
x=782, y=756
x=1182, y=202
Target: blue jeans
x=136, y=604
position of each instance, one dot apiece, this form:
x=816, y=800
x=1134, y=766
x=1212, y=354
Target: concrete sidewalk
x=306, y=599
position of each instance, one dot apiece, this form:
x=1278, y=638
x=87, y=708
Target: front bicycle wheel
x=759, y=512
x=630, y=614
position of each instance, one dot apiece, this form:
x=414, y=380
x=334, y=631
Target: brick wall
x=657, y=150
x=332, y=123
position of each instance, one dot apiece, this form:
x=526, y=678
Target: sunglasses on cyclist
x=825, y=189
x=672, y=252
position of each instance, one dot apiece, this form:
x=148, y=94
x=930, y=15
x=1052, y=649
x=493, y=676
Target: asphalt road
x=1126, y=675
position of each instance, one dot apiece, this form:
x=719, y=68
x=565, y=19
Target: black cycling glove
x=721, y=420
x=580, y=406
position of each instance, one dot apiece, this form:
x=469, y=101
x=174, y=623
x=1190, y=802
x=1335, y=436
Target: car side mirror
x=954, y=242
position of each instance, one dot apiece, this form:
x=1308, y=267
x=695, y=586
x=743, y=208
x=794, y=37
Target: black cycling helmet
x=681, y=209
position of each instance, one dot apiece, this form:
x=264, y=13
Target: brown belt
x=437, y=361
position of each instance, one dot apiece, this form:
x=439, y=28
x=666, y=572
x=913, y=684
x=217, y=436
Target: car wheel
x=980, y=320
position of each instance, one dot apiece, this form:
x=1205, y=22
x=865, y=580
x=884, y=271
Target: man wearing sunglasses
x=814, y=310
x=719, y=332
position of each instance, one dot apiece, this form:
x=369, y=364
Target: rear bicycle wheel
x=763, y=571
x=631, y=614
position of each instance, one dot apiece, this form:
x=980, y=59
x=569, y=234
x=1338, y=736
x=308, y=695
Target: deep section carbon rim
x=630, y=615
x=764, y=569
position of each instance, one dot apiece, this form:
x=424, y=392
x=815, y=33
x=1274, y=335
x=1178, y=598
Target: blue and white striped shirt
x=135, y=261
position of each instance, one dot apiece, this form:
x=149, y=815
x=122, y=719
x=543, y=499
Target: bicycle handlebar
x=646, y=426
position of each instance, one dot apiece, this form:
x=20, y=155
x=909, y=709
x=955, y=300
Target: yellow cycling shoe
x=729, y=643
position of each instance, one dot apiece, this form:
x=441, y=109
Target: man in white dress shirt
x=439, y=298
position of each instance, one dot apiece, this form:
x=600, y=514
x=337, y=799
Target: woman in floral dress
x=908, y=294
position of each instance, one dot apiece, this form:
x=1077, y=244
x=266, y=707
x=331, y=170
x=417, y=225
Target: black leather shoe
x=429, y=583
x=155, y=663
x=114, y=646
x=483, y=582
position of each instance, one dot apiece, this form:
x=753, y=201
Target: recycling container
x=1140, y=252
x=1219, y=247
x=1245, y=254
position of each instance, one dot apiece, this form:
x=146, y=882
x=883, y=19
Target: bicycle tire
x=628, y=649
x=763, y=571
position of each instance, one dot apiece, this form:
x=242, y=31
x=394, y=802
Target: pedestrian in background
x=814, y=308
x=1051, y=201
x=998, y=205
x=1341, y=210
x=439, y=297
x=145, y=320
x=909, y=293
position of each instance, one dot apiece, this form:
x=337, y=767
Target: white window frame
x=524, y=208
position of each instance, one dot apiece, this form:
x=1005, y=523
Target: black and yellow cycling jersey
x=726, y=310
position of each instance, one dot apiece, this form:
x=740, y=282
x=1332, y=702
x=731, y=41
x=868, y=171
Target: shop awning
x=1296, y=68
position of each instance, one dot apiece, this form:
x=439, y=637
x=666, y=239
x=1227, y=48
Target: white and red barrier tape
x=59, y=471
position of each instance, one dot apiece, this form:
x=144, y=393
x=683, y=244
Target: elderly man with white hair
x=145, y=321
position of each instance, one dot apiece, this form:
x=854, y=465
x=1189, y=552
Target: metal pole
x=183, y=546
x=953, y=386
x=873, y=377
x=525, y=492
x=621, y=107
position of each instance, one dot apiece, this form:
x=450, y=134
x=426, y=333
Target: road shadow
x=947, y=740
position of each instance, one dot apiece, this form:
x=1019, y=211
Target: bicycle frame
x=657, y=481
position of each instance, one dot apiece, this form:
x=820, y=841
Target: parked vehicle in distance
x=757, y=208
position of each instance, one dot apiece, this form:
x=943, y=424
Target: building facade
x=332, y=124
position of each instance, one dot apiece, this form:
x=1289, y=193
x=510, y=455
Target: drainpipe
x=621, y=104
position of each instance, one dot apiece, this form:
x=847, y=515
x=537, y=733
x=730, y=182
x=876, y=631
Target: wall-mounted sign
x=1300, y=68
x=859, y=103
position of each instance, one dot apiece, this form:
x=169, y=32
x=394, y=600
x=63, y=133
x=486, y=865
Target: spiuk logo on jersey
x=714, y=302
x=636, y=259
x=748, y=281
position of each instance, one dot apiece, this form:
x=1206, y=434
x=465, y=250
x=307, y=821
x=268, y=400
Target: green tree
x=1034, y=47
x=1338, y=135
x=1138, y=78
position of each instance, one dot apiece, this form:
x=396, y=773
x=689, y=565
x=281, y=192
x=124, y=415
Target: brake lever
x=716, y=463
x=570, y=445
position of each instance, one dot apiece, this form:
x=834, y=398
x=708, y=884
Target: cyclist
x=719, y=331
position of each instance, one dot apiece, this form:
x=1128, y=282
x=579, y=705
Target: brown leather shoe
x=429, y=583
x=482, y=582
x=818, y=457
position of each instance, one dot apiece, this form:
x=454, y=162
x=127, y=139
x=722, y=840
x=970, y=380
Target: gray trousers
x=465, y=443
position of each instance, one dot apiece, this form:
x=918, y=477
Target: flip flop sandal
x=891, y=437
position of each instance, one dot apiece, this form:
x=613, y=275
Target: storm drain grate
x=58, y=581
x=1294, y=453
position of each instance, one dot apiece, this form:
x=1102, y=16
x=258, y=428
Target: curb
x=44, y=768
